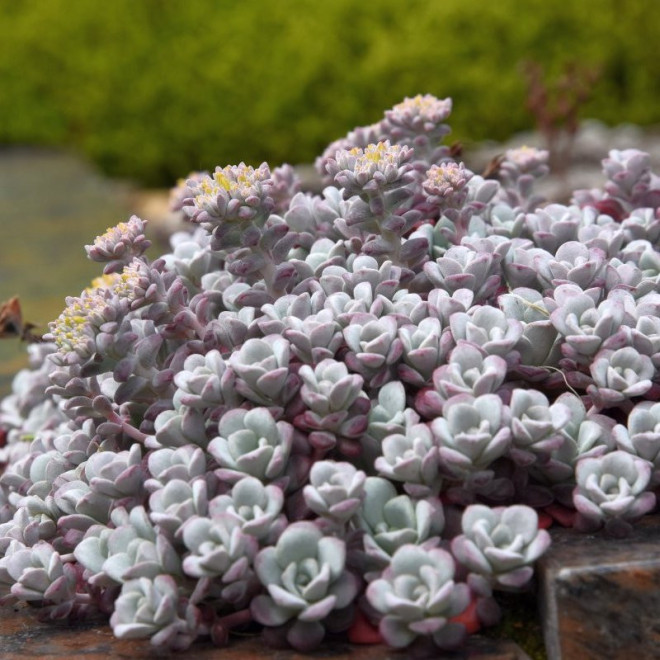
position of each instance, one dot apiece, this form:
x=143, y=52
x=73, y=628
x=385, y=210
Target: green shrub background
x=152, y=89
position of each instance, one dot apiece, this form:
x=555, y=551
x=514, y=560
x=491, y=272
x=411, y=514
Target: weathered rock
x=23, y=636
x=600, y=597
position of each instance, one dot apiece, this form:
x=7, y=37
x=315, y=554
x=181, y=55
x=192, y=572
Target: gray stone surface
x=22, y=636
x=600, y=597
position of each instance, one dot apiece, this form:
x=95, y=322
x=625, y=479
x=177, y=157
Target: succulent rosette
x=612, y=490
x=586, y=326
x=641, y=435
x=155, y=609
x=462, y=267
x=500, y=544
x=374, y=347
x=256, y=507
x=389, y=414
x=488, y=328
x=335, y=491
x=336, y=405
x=39, y=574
x=417, y=596
x=535, y=425
x=220, y=548
x=390, y=521
x=251, y=442
x=306, y=580
x=468, y=371
x=425, y=347
x=472, y=433
x=205, y=381
x=620, y=375
x=132, y=548
x=412, y=458
x=262, y=367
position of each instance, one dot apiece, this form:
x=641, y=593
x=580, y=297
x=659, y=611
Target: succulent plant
x=39, y=574
x=500, y=544
x=262, y=368
x=422, y=116
x=173, y=505
x=641, y=435
x=612, y=490
x=389, y=414
x=425, y=347
x=535, y=425
x=445, y=185
x=468, y=371
x=230, y=200
x=390, y=521
x=472, y=433
x=335, y=491
x=464, y=268
x=272, y=422
x=306, y=581
x=166, y=464
x=256, y=507
x=374, y=346
x=620, y=375
x=411, y=458
x=336, y=405
x=488, y=328
x=220, y=549
x=417, y=595
x=120, y=245
x=369, y=171
x=131, y=549
x=154, y=609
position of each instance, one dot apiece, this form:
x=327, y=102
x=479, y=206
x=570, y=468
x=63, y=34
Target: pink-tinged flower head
x=422, y=113
x=527, y=159
x=74, y=330
x=376, y=167
x=184, y=190
x=119, y=244
x=446, y=180
x=104, y=302
x=236, y=193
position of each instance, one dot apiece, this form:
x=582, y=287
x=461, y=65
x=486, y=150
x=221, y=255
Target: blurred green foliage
x=152, y=89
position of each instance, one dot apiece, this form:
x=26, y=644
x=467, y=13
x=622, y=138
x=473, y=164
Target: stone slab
x=600, y=597
x=22, y=636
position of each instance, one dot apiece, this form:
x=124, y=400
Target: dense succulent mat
x=354, y=411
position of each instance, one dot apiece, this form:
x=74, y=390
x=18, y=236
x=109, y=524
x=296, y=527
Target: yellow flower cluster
x=74, y=328
x=379, y=157
x=237, y=180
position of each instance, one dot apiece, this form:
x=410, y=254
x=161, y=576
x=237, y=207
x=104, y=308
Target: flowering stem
x=134, y=433
x=127, y=428
x=103, y=406
x=268, y=271
x=394, y=240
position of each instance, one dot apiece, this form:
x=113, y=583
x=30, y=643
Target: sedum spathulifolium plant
x=358, y=403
